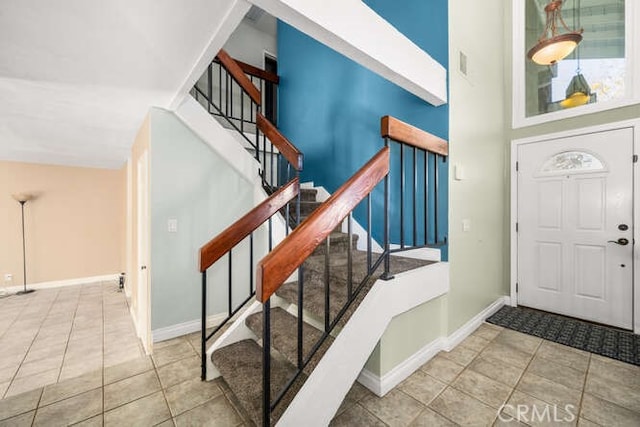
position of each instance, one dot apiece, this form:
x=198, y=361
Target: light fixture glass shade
x=552, y=46
x=22, y=197
x=578, y=92
x=552, y=50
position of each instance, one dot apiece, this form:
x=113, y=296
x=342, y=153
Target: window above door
x=606, y=58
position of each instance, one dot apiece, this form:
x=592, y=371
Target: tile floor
x=55, y=334
x=490, y=378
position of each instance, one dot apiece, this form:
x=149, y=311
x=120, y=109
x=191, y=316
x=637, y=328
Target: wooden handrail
x=239, y=76
x=280, y=263
x=395, y=129
x=258, y=72
x=236, y=232
x=288, y=150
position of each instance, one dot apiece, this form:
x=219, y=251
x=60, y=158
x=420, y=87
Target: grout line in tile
x=13, y=378
x=584, y=386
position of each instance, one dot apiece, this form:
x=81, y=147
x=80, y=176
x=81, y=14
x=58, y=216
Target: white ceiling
x=77, y=77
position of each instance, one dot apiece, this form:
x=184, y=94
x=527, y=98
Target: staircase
x=321, y=306
x=240, y=364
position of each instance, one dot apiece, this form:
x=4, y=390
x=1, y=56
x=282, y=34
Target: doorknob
x=144, y=267
x=621, y=241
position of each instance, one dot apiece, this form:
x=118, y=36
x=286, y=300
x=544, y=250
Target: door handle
x=621, y=241
x=144, y=267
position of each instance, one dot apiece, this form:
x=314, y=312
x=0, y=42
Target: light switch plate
x=172, y=226
x=466, y=224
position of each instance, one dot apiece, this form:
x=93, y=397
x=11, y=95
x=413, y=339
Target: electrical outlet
x=8, y=277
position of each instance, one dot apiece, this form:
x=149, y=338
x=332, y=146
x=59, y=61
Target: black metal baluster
x=415, y=190
x=264, y=158
x=251, y=263
x=327, y=287
x=350, y=257
x=387, y=206
x=369, y=233
x=287, y=219
x=203, y=331
x=242, y=111
x=426, y=197
x=226, y=95
x=402, y=196
x=230, y=283
x=271, y=161
x=210, y=86
x=266, y=363
x=300, y=315
x=220, y=86
x=435, y=197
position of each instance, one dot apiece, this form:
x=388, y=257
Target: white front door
x=575, y=226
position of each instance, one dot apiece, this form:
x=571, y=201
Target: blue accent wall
x=330, y=108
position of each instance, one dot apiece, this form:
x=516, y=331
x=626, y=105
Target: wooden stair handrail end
x=236, y=72
x=236, y=232
x=282, y=261
x=257, y=72
x=397, y=130
x=288, y=150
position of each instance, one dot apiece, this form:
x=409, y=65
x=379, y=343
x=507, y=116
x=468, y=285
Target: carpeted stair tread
x=284, y=335
x=306, y=207
x=338, y=242
x=240, y=364
x=314, y=293
x=308, y=194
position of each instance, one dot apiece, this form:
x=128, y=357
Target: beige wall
x=74, y=227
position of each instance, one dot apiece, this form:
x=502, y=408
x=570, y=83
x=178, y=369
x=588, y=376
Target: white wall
x=248, y=43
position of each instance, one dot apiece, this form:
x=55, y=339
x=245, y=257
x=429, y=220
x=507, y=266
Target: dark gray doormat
x=598, y=339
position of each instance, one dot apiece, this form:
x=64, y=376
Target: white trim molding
x=180, y=329
x=382, y=385
x=64, y=283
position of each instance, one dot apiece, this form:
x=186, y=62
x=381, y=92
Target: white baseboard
x=64, y=283
x=180, y=329
x=382, y=385
x=467, y=329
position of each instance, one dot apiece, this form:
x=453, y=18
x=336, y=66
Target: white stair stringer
x=322, y=394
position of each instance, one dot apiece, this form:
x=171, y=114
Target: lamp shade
x=578, y=92
x=553, y=46
x=550, y=51
x=22, y=197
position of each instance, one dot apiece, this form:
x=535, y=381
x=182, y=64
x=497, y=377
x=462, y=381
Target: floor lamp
x=23, y=198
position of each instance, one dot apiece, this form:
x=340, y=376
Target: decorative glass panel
x=596, y=70
x=572, y=161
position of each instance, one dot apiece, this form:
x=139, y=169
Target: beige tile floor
x=55, y=334
x=493, y=376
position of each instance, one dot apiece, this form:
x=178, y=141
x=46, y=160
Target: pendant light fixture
x=578, y=92
x=553, y=46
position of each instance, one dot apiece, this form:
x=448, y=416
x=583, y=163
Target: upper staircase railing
x=281, y=163
x=236, y=93
x=419, y=177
